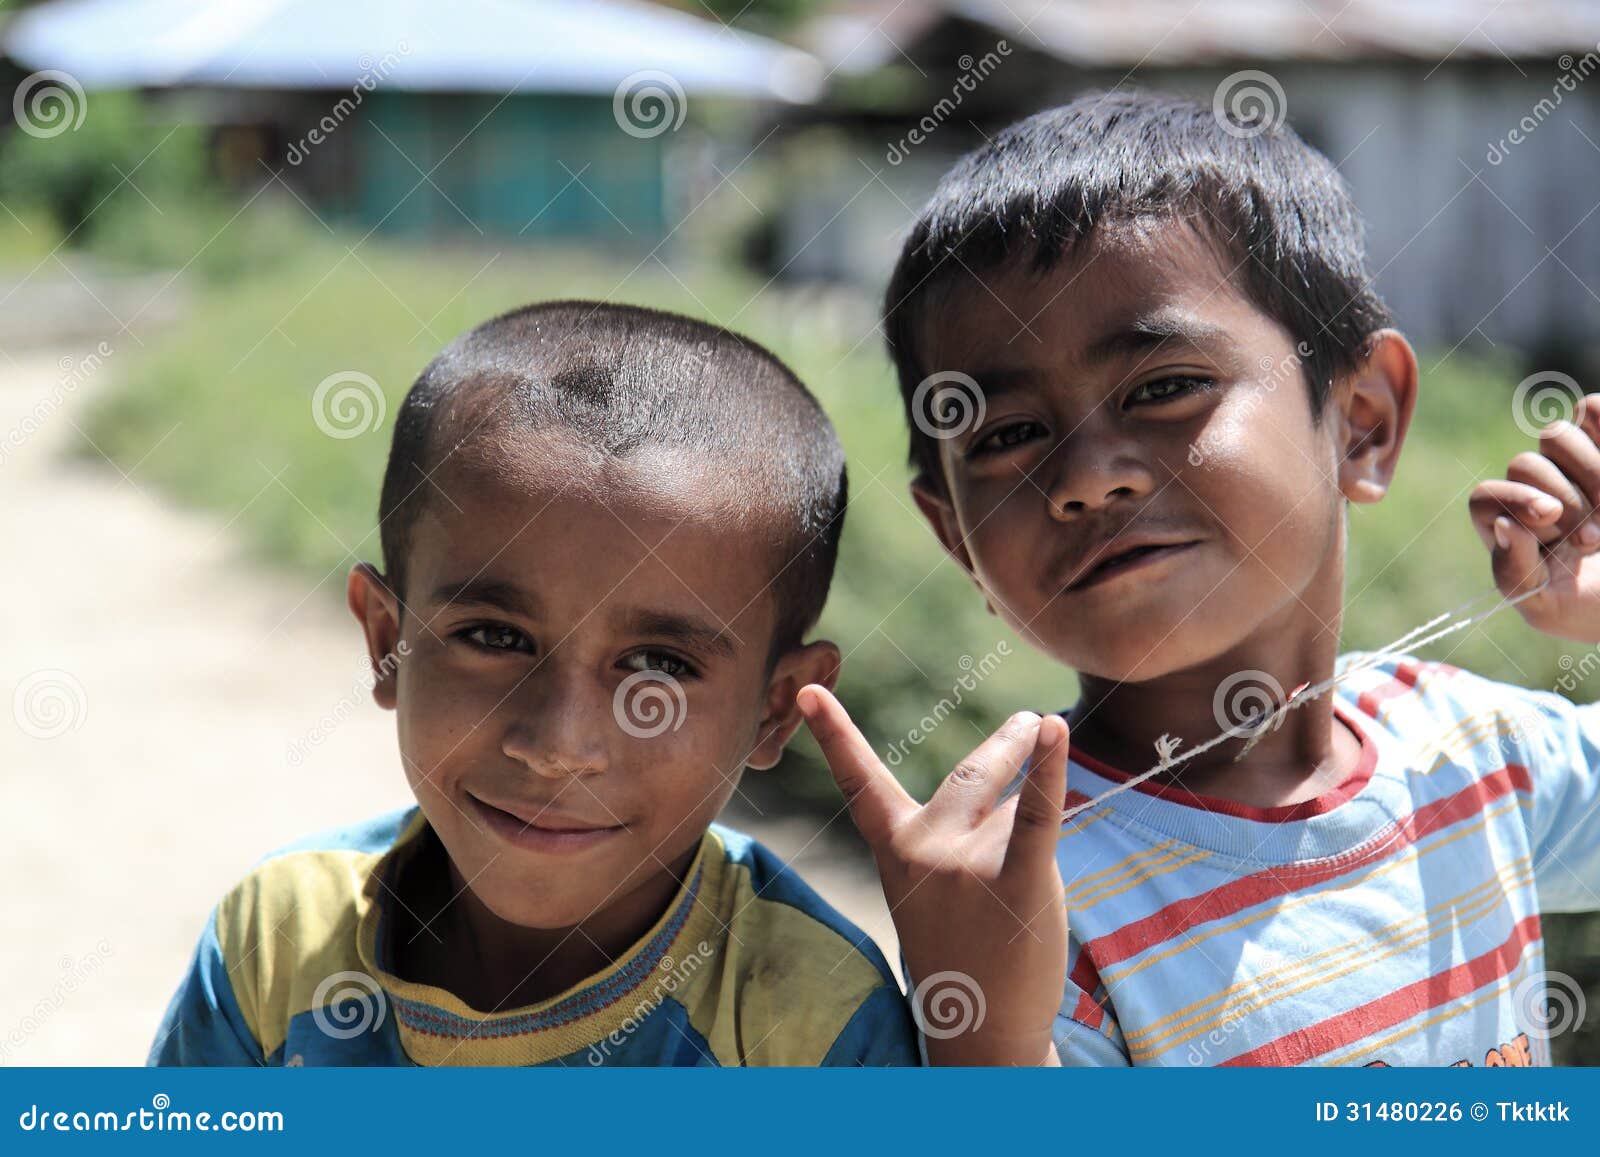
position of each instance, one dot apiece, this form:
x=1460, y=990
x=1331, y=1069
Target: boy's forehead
x=1156, y=275
x=548, y=514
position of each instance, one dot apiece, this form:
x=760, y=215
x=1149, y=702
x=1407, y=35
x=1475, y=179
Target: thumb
x=1518, y=564
x=1037, y=825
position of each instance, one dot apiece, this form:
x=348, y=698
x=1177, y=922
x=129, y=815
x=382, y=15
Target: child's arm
x=971, y=881
x=1540, y=524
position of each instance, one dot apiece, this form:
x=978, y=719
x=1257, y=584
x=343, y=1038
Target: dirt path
x=154, y=683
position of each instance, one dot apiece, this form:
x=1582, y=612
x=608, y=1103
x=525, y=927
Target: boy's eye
x=1165, y=389
x=663, y=662
x=496, y=637
x=1005, y=438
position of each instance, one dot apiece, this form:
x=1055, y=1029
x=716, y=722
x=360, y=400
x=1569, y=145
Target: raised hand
x=971, y=881
x=1541, y=527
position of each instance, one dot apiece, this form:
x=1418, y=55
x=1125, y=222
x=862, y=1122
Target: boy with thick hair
x=1145, y=375
x=606, y=531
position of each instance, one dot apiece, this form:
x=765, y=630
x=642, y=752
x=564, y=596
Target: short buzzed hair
x=621, y=379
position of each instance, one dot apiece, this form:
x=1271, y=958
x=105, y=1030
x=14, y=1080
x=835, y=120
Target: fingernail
x=1502, y=533
x=1589, y=534
x=1546, y=507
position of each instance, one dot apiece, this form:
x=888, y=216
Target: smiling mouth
x=1125, y=561
x=543, y=830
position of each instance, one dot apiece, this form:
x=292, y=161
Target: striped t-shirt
x=747, y=966
x=1393, y=920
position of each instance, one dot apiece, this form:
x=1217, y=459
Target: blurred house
x=1468, y=129
x=510, y=117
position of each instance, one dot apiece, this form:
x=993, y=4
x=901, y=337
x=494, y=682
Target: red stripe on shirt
x=1248, y=891
x=1416, y=998
x=1087, y=979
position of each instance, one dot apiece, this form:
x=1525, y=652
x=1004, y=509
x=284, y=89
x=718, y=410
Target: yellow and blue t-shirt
x=747, y=966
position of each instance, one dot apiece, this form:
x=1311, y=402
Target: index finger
x=874, y=796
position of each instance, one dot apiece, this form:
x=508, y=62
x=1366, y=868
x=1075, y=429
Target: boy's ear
x=378, y=611
x=1375, y=404
x=813, y=663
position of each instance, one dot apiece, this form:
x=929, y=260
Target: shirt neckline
x=1283, y=813
x=436, y=1027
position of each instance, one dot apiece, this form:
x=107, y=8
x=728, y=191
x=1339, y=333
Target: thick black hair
x=1042, y=186
x=619, y=379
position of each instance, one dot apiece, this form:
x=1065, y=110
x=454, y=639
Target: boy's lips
x=543, y=829
x=1123, y=555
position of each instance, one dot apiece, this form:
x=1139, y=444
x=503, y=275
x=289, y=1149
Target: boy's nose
x=1089, y=472
x=559, y=733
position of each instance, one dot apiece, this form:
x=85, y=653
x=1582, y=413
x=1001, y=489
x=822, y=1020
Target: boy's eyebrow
x=683, y=629
x=1135, y=338
x=1143, y=334
x=486, y=592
